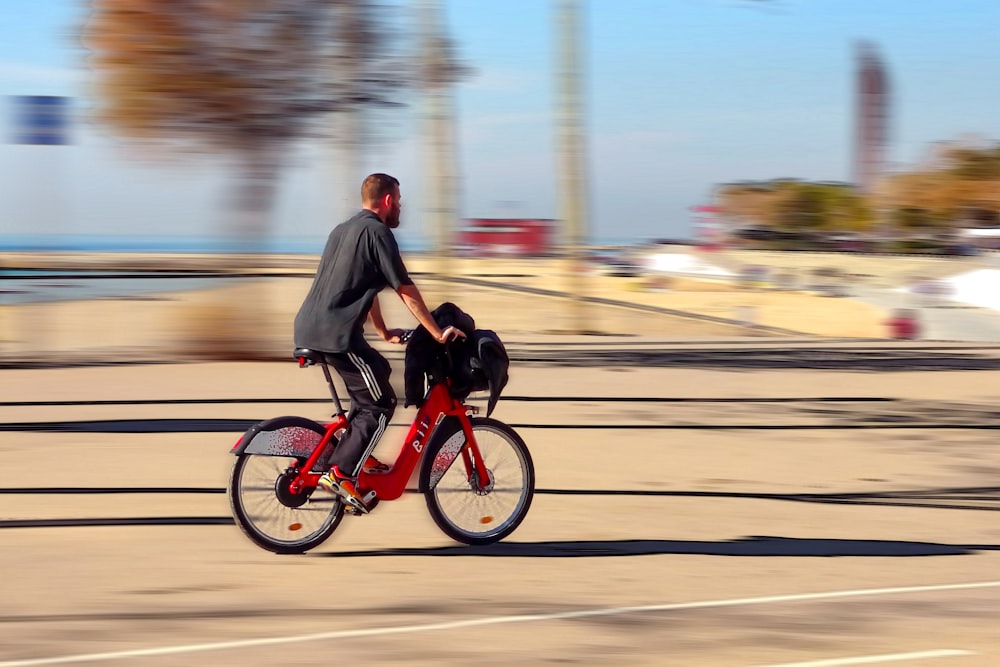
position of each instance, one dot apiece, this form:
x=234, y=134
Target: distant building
x=709, y=231
x=504, y=237
x=872, y=118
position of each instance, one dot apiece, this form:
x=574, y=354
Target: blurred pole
x=572, y=155
x=348, y=124
x=442, y=191
x=349, y=130
x=41, y=127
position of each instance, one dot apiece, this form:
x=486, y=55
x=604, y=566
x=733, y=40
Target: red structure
x=502, y=237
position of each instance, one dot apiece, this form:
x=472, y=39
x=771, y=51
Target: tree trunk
x=249, y=220
x=237, y=323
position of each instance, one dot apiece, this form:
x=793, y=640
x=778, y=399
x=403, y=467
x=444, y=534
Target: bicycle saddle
x=308, y=357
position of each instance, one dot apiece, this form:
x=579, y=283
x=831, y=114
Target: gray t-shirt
x=361, y=258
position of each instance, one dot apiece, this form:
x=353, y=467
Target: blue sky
x=680, y=95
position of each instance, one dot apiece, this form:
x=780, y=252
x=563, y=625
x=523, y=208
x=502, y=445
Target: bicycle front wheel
x=465, y=510
x=270, y=514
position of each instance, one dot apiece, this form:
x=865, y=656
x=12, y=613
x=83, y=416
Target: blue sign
x=41, y=120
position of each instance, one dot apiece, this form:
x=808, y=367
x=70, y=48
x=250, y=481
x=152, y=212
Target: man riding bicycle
x=360, y=259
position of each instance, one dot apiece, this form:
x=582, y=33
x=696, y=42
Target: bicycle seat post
x=333, y=390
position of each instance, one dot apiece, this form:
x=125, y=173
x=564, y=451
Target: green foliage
x=915, y=218
x=797, y=206
x=960, y=186
x=972, y=164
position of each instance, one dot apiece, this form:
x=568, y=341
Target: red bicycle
x=480, y=500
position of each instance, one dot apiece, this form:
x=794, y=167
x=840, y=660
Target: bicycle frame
x=390, y=485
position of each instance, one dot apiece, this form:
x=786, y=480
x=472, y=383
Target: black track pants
x=366, y=374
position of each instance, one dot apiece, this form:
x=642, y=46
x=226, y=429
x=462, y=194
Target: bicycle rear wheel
x=273, y=517
x=465, y=511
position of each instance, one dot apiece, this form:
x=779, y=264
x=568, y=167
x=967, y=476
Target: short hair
x=377, y=186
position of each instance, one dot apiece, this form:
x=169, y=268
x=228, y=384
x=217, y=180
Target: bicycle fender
x=444, y=447
x=281, y=436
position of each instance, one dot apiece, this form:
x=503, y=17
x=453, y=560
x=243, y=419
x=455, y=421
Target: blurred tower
x=872, y=119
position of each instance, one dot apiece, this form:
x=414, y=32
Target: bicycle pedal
x=355, y=508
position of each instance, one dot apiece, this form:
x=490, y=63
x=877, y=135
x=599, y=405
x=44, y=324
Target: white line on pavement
x=875, y=659
x=490, y=620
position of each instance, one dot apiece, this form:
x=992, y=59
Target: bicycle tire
x=484, y=516
x=263, y=517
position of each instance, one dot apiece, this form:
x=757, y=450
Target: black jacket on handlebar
x=476, y=363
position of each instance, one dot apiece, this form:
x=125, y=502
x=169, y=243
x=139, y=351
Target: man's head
x=380, y=195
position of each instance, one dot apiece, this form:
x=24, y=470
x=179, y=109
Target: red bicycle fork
x=471, y=456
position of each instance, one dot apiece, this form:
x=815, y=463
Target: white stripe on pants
x=376, y=436
x=366, y=372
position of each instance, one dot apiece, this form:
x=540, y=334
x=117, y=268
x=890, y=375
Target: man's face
x=396, y=204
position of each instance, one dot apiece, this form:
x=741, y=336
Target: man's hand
x=394, y=336
x=450, y=333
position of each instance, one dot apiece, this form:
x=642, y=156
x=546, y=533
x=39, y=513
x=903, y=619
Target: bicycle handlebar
x=408, y=334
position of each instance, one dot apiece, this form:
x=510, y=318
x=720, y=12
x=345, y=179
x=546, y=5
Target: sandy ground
x=743, y=475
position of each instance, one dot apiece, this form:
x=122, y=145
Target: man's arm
x=375, y=316
x=415, y=303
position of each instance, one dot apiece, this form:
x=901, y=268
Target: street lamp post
x=572, y=154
